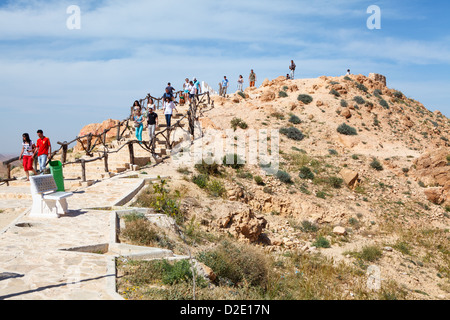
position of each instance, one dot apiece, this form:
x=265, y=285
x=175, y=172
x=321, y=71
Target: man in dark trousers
x=152, y=121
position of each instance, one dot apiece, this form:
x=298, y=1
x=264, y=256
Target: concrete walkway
x=34, y=261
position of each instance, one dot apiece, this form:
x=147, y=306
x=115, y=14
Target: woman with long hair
x=28, y=148
x=138, y=123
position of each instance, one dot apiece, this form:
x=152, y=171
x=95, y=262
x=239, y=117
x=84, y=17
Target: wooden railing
x=90, y=142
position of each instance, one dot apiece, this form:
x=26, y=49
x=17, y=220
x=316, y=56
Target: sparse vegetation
x=292, y=133
x=322, y=242
x=335, y=93
x=375, y=164
x=283, y=176
x=347, y=130
x=238, y=123
x=233, y=161
x=282, y=94
x=294, y=119
x=306, y=173
x=305, y=98
x=359, y=100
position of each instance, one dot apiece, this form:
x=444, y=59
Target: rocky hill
x=364, y=169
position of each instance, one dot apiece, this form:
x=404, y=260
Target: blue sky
x=59, y=80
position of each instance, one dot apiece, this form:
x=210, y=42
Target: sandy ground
x=7, y=216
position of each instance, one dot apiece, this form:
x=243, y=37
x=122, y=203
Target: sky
x=59, y=78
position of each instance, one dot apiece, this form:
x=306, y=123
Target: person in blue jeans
x=169, y=106
x=138, y=123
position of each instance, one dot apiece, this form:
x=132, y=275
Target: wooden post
x=8, y=166
x=104, y=137
x=64, y=153
x=118, y=132
x=105, y=155
x=83, y=170
x=131, y=150
x=89, y=140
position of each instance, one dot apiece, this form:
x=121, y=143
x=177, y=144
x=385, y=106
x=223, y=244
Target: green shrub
x=292, y=133
x=398, y=94
x=368, y=253
x=200, y=180
x=294, y=119
x=179, y=271
x=346, y=130
x=332, y=152
x=321, y=194
x=164, y=202
x=321, y=242
x=208, y=167
x=377, y=93
x=306, y=173
x=448, y=159
x=233, y=161
x=282, y=94
x=283, y=176
x=348, y=78
x=335, y=93
x=361, y=87
x=241, y=94
x=376, y=165
x=308, y=226
x=237, y=122
x=359, y=100
x=259, y=181
x=305, y=98
x=335, y=182
x=344, y=103
x=384, y=104
x=216, y=188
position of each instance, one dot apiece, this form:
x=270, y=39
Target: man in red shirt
x=43, y=149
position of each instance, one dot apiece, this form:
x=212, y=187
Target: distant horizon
x=66, y=64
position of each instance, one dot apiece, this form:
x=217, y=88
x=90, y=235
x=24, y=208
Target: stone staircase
x=120, y=161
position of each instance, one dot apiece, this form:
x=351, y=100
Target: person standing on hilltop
x=224, y=86
x=28, y=149
x=43, y=150
x=252, y=78
x=292, y=68
x=348, y=72
x=186, y=89
x=240, y=83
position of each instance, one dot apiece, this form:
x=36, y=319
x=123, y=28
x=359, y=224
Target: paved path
x=33, y=262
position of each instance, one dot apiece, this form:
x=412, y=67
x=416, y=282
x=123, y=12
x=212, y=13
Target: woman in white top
x=28, y=148
x=169, y=106
x=240, y=82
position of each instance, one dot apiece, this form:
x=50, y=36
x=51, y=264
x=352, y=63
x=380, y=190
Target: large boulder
x=96, y=129
x=435, y=195
x=244, y=224
x=350, y=177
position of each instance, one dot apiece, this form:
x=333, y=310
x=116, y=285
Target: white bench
x=47, y=202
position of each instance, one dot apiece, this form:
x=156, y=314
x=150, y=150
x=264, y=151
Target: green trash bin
x=57, y=172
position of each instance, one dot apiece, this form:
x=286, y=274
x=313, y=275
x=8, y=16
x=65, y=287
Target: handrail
x=100, y=139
